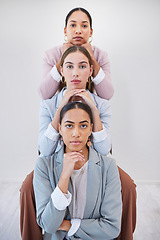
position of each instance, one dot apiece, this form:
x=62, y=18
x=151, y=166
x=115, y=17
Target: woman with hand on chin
x=77, y=190
x=78, y=31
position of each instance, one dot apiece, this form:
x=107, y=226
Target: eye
x=68, y=126
x=83, y=126
x=73, y=25
x=84, y=26
x=83, y=66
x=69, y=66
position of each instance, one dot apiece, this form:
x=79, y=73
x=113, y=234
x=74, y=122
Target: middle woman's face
x=78, y=29
x=76, y=70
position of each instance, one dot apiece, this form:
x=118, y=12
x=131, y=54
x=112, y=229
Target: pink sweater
x=49, y=85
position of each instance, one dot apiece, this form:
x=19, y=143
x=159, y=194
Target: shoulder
x=44, y=163
x=99, y=53
x=106, y=162
x=53, y=54
x=51, y=101
x=100, y=102
x=54, y=50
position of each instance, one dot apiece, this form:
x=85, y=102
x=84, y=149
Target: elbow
x=49, y=228
x=41, y=93
x=45, y=151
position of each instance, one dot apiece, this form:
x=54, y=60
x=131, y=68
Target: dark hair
x=78, y=9
x=73, y=105
x=78, y=48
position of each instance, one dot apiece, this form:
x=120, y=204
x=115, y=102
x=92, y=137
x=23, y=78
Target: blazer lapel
x=93, y=184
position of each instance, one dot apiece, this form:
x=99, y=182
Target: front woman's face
x=78, y=29
x=76, y=70
x=75, y=129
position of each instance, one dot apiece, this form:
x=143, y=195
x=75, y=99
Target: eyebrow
x=84, y=21
x=79, y=62
x=68, y=121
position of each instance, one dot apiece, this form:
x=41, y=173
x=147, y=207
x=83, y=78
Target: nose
x=75, y=72
x=76, y=132
x=78, y=30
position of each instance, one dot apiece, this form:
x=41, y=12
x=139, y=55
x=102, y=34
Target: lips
x=75, y=81
x=75, y=142
x=78, y=38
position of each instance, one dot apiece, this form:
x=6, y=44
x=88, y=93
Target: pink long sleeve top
x=50, y=82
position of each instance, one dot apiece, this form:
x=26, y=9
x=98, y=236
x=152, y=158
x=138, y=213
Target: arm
x=48, y=137
x=101, y=77
x=51, y=201
x=49, y=84
x=51, y=71
x=108, y=225
x=101, y=111
x=48, y=217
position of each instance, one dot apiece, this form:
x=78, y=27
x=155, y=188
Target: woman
x=78, y=31
x=75, y=60
x=77, y=190
x=76, y=68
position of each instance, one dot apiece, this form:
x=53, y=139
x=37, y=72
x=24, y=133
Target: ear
x=91, y=128
x=91, y=70
x=91, y=33
x=59, y=128
x=61, y=70
x=65, y=31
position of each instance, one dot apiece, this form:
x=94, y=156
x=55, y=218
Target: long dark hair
x=73, y=105
x=79, y=9
x=77, y=48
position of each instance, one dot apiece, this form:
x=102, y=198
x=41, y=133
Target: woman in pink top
x=78, y=31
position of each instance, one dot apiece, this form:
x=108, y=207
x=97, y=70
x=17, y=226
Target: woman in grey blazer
x=77, y=190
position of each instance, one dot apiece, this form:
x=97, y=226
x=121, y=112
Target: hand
x=69, y=161
x=86, y=97
x=65, y=225
x=68, y=95
x=88, y=46
x=66, y=46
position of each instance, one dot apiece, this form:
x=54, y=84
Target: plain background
x=129, y=31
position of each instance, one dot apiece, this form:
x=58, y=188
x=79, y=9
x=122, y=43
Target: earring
x=89, y=84
x=62, y=142
x=63, y=79
x=89, y=142
x=90, y=39
x=65, y=39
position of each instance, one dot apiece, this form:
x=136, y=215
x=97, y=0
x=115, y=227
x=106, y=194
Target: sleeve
x=60, y=199
x=45, y=208
x=104, y=87
x=102, y=140
x=108, y=225
x=50, y=80
x=48, y=137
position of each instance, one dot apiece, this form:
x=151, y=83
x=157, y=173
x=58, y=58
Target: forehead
x=76, y=57
x=79, y=16
x=76, y=115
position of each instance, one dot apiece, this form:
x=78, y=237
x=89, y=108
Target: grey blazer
x=102, y=215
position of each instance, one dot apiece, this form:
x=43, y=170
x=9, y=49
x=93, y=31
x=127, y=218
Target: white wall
x=129, y=30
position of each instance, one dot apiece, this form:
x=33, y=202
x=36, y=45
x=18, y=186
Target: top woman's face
x=76, y=70
x=75, y=129
x=78, y=29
